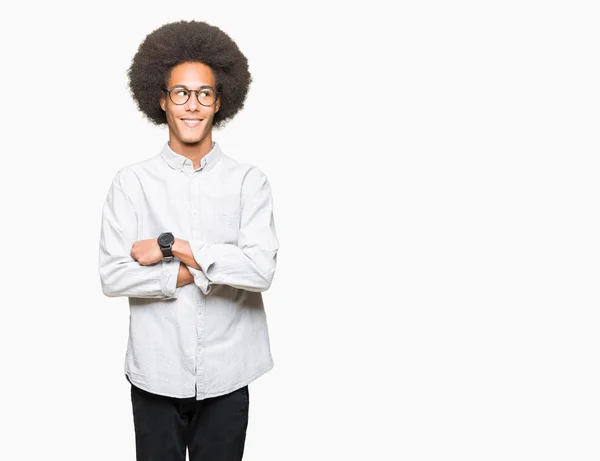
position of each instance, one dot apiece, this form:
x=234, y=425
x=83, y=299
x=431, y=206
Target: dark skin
x=192, y=140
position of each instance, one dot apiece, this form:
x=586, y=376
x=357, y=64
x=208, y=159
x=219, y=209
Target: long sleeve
x=120, y=274
x=249, y=265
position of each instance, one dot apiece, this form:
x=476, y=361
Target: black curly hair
x=188, y=41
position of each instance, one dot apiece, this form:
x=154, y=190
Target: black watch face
x=165, y=240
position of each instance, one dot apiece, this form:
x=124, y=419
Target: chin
x=191, y=140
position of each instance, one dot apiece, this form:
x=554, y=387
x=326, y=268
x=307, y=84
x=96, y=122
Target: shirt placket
x=200, y=299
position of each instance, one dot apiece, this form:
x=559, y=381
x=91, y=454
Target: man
x=188, y=236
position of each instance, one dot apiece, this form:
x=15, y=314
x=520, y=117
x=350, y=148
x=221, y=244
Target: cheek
x=210, y=116
x=172, y=119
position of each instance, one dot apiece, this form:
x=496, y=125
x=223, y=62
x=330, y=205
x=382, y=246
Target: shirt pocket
x=224, y=223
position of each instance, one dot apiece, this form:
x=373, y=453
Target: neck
x=193, y=151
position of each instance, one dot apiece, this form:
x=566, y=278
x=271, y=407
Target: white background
x=435, y=178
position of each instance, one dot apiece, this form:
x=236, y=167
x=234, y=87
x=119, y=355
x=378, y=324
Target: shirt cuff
x=201, y=251
x=201, y=280
x=168, y=279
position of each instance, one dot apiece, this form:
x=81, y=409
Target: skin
x=191, y=142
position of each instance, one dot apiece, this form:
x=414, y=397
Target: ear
x=163, y=102
x=218, y=104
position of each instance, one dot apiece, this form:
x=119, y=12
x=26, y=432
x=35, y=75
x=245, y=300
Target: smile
x=191, y=122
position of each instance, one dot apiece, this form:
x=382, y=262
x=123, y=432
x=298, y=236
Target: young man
x=188, y=236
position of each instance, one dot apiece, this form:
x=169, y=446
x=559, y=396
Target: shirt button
x=194, y=212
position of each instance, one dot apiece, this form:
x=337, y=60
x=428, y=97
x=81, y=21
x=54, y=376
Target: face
x=183, y=132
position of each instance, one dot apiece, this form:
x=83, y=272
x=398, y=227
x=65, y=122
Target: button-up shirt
x=210, y=337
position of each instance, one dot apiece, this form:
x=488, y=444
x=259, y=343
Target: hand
x=146, y=252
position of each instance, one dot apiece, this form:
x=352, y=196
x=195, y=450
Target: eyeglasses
x=206, y=95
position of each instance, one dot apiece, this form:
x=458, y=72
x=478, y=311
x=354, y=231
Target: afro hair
x=188, y=41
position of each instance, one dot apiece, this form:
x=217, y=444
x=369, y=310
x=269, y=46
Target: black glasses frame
x=168, y=91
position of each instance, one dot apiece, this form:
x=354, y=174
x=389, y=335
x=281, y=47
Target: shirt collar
x=178, y=161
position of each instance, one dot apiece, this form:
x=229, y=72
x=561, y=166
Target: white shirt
x=208, y=338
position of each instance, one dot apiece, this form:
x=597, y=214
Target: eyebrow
x=184, y=86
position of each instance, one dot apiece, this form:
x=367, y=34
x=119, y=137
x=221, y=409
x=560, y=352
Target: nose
x=192, y=103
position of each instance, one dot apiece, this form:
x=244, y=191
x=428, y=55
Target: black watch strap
x=166, y=249
x=166, y=252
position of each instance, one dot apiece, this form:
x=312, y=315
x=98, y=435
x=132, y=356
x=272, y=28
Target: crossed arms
x=134, y=268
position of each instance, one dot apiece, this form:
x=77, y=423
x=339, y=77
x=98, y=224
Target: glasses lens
x=206, y=96
x=179, y=95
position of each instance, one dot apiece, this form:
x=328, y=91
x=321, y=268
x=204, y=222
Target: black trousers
x=212, y=429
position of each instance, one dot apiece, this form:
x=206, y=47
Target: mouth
x=191, y=122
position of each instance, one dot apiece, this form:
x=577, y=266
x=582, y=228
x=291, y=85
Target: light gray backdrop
x=434, y=167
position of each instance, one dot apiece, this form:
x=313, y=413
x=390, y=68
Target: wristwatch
x=165, y=242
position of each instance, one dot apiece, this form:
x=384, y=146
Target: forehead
x=192, y=75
